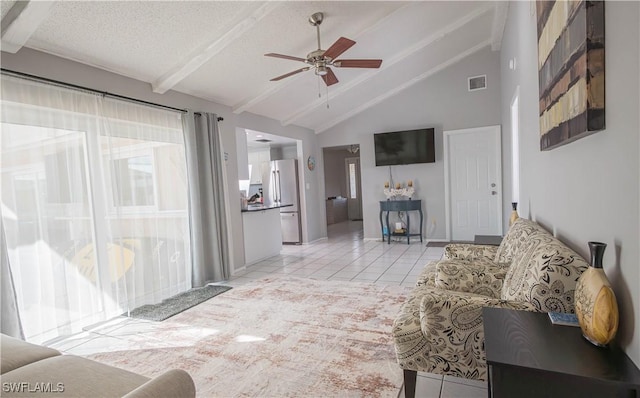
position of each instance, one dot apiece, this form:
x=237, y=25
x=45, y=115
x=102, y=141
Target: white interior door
x=473, y=172
x=354, y=201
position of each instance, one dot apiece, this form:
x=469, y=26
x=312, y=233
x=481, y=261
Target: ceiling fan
x=322, y=60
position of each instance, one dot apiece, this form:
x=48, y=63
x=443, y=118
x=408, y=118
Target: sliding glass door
x=94, y=205
x=47, y=216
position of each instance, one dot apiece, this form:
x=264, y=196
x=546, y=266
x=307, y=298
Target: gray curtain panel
x=207, y=217
x=10, y=322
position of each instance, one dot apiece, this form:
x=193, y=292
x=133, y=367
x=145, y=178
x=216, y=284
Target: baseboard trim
x=235, y=271
x=314, y=241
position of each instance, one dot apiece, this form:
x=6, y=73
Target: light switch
x=308, y=186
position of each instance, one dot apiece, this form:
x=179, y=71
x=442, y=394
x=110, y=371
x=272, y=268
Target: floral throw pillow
x=517, y=239
x=545, y=275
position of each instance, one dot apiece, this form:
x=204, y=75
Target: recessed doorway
x=343, y=186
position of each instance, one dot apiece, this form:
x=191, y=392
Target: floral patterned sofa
x=439, y=328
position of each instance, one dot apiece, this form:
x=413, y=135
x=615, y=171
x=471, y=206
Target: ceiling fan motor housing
x=318, y=61
x=317, y=56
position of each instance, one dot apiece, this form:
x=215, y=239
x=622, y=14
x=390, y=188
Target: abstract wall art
x=570, y=70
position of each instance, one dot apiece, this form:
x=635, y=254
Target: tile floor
x=344, y=256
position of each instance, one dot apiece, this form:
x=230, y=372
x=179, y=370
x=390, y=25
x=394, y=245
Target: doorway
x=473, y=179
x=343, y=187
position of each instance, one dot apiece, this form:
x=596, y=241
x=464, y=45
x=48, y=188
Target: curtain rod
x=91, y=90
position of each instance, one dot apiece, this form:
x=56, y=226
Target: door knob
x=494, y=193
x=493, y=185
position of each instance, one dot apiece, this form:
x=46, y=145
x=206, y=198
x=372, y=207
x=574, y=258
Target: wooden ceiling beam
x=195, y=60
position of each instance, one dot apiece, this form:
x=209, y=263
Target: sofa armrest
x=469, y=251
x=17, y=353
x=427, y=276
x=174, y=383
x=451, y=323
x=482, y=278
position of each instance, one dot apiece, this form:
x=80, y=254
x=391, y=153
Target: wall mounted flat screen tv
x=405, y=147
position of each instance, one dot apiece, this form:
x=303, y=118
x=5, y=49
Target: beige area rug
x=278, y=337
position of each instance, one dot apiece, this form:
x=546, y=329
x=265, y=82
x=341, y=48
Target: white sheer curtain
x=94, y=205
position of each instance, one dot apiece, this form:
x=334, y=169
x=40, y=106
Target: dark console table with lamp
x=399, y=205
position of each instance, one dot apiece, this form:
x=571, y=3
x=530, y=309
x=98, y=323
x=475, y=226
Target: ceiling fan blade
x=275, y=79
x=285, y=57
x=341, y=45
x=357, y=63
x=330, y=78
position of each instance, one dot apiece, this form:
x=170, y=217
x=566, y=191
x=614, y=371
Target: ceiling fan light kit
x=322, y=60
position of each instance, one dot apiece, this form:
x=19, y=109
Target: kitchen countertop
x=261, y=207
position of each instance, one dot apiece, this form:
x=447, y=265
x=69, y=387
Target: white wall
x=284, y=152
x=52, y=67
x=289, y=152
x=440, y=101
x=588, y=190
x=242, y=155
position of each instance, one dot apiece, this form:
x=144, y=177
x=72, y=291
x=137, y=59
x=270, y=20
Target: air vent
x=263, y=140
x=477, y=83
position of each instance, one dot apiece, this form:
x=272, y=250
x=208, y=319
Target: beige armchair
x=439, y=329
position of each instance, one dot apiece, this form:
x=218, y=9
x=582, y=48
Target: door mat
x=437, y=244
x=176, y=304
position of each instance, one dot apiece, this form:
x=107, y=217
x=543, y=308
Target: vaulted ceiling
x=215, y=49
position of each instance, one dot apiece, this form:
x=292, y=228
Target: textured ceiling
x=215, y=49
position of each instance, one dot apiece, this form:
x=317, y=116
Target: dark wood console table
x=400, y=205
x=528, y=356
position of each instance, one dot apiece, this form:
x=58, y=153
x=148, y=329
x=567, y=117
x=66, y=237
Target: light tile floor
x=344, y=256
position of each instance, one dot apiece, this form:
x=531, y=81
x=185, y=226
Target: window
x=136, y=174
x=353, y=187
x=94, y=205
x=58, y=183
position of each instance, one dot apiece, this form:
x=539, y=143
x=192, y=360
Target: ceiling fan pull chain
x=327, y=87
x=319, y=87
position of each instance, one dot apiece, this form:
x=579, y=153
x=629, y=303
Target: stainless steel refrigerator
x=280, y=186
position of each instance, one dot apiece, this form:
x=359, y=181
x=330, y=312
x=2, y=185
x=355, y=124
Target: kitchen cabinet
x=262, y=234
x=336, y=210
x=256, y=159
